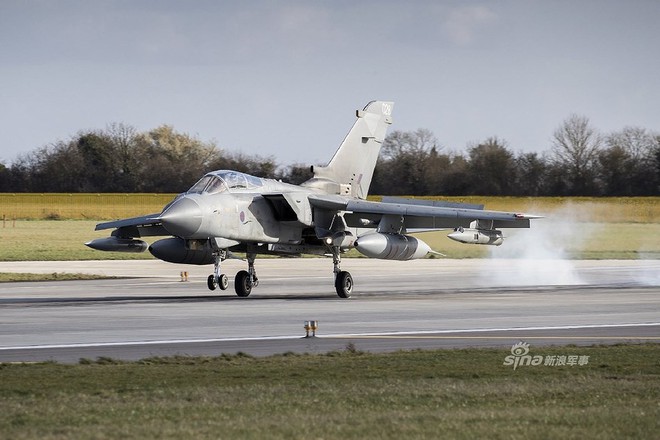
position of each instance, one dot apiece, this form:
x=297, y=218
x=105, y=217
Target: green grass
x=6, y=277
x=54, y=240
x=620, y=228
x=419, y=394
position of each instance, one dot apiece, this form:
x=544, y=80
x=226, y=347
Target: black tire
x=223, y=282
x=344, y=284
x=210, y=281
x=242, y=284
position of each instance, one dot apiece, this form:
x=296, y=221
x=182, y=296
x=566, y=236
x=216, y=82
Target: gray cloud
x=283, y=78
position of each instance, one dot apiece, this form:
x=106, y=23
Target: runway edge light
x=311, y=326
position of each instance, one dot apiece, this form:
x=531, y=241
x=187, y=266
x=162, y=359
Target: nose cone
x=456, y=236
x=182, y=218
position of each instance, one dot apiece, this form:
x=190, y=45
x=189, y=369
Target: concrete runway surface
x=431, y=303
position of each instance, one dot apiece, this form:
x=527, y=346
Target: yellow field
x=112, y=206
x=52, y=206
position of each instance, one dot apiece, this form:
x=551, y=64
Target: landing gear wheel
x=223, y=282
x=210, y=281
x=242, y=284
x=218, y=279
x=344, y=284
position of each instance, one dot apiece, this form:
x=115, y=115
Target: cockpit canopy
x=223, y=180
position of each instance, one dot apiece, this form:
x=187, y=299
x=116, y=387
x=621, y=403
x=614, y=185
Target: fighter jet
x=228, y=211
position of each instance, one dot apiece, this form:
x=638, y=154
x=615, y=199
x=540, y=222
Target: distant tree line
x=581, y=161
x=120, y=159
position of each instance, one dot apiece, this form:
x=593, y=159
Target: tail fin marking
x=352, y=166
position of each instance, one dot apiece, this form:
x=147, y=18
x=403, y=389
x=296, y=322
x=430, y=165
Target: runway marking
x=614, y=338
x=486, y=330
x=132, y=343
x=426, y=334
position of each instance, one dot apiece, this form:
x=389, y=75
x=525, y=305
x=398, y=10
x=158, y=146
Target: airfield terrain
x=54, y=226
x=588, y=274
x=531, y=287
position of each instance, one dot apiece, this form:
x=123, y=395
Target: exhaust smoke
x=649, y=275
x=540, y=255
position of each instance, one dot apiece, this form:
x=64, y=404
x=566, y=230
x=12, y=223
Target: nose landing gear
x=245, y=279
x=217, y=279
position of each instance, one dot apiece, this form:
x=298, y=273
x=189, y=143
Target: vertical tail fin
x=352, y=166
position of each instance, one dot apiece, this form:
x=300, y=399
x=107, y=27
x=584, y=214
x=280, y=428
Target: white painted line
x=503, y=329
x=331, y=336
x=131, y=343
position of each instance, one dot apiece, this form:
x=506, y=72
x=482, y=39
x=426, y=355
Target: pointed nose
x=456, y=236
x=182, y=218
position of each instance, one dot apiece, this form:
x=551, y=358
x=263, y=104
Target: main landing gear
x=247, y=279
x=243, y=283
x=343, y=279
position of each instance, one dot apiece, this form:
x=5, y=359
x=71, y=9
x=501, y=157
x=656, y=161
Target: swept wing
x=144, y=226
x=417, y=214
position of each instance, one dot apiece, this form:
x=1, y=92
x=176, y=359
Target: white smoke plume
x=539, y=255
x=649, y=275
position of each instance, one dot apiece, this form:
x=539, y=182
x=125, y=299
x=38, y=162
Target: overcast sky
x=283, y=78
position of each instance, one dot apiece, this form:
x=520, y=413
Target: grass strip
x=10, y=277
x=349, y=394
x=42, y=240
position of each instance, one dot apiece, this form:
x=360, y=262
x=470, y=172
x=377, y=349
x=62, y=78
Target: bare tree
x=575, y=146
x=413, y=143
x=628, y=164
x=127, y=155
x=176, y=160
x=656, y=155
x=255, y=165
x=532, y=171
x=5, y=178
x=493, y=168
x=295, y=174
x=404, y=162
x=636, y=141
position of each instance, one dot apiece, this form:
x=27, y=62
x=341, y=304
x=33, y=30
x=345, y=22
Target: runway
x=396, y=305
